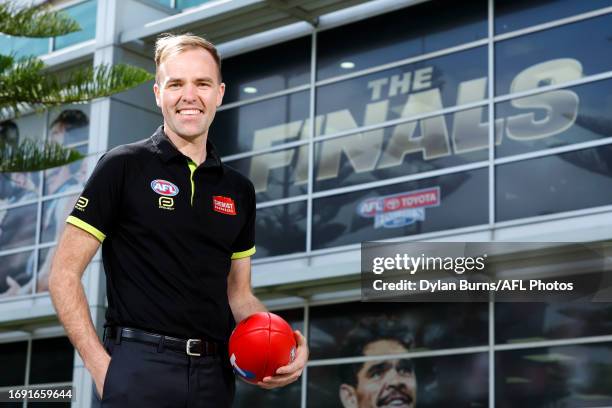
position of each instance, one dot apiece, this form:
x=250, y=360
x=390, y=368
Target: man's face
x=57, y=133
x=388, y=383
x=188, y=92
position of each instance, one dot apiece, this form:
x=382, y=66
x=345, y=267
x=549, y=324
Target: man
x=378, y=383
x=17, y=224
x=178, y=233
x=70, y=126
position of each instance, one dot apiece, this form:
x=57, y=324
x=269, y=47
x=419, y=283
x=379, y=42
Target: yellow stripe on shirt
x=86, y=227
x=243, y=254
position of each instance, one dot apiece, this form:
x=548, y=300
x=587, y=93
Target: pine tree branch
x=35, y=21
x=26, y=85
x=6, y=61
x=31, y=155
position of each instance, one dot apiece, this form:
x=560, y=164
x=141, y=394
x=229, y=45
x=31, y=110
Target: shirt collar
x=166, y=149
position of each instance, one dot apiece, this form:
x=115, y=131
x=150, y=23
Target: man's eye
x=204, y=85
x=173, y=85
x=376, y=373
x=405, y=368
x=405, y=371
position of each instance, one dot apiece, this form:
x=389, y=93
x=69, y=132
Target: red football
x=259, y=345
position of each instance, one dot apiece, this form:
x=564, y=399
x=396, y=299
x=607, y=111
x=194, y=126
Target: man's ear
x=157, y=95
x=220, y=94
x=348, y=396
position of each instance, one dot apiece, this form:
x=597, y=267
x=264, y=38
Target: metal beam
x=189, y=18
x=295, y=11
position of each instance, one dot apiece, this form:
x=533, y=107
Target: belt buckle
x=188, y=347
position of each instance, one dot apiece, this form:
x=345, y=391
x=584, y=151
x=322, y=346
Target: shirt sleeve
x=96, y=208
x=245, y=242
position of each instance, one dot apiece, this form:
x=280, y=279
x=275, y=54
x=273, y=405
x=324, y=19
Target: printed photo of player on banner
x=306, y=203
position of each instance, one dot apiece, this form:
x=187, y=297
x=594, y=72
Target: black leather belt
x=191, y=347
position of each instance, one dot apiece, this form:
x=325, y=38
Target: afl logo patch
x=164, y=188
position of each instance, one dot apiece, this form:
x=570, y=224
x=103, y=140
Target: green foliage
x=5, y=62
x=36, y=21
x=27, y=84
x=30, y=155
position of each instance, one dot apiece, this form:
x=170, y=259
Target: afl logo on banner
x=164, y=188
x=401, y=209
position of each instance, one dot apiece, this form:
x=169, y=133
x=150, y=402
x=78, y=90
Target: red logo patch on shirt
x=224, y=205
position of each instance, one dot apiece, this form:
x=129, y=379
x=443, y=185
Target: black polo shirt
x=169, y=232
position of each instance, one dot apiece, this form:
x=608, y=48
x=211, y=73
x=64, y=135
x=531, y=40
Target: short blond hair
x=169, y=44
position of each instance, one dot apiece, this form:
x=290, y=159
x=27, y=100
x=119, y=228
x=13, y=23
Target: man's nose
x=189, y=93
x=393, y=376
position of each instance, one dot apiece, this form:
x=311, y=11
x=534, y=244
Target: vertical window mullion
x=306, y=334
x=28, y=361
x=312, y=118
x=492, y=129
x=491, y=113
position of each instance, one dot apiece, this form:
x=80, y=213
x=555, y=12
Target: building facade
x=405, y=120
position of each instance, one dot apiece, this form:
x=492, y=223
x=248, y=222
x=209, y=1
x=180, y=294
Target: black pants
x=142, y=375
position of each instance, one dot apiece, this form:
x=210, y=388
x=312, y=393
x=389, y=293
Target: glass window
x=341, y=330
x=262, y=124
x=45, y=256
x=555, y=118
x=568, y=376
x=23, y=46
x=278, y=174
x=30, y=126
x=448, y=381
x=513, y=15
x=70, y=127
x=71, y=177
x=535, y=60
x=51, y=361
x=13, y=357
x=433, y=204
x=405, y=33
x=521, y=322
x=166, y=3
x=20, y=187
x=552, y=184
x=408, y=148
x=183, y=4
x=17, y=226
x=17, y=274
x=402, y=92
x=267, y=70
x=248, y=395
x=54, y=214
x=295, y=317
x=287, y=221
x=85, y=14
x=9, y=132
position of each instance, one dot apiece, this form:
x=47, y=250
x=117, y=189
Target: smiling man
x=379, y=383
x=177, y=232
